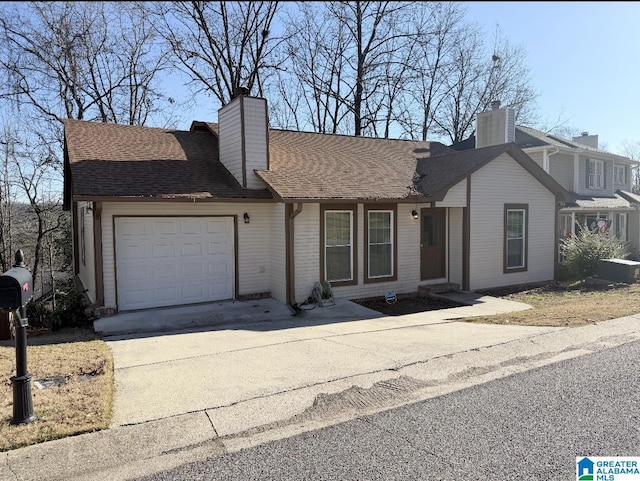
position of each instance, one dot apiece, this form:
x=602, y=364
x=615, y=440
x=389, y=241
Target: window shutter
x=604, y=175
x=586, y=183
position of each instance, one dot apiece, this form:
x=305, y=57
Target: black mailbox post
x=16, y=290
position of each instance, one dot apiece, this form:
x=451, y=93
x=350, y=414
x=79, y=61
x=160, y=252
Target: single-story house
x=236, y=210
x=600, y=183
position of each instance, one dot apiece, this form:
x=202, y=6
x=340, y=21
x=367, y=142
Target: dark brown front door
x=432, y=243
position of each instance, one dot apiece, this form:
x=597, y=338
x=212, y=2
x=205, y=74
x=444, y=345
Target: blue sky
x=584, y=59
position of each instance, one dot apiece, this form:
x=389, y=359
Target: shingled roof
x=117, y=161
x=314, y=166
x=122, y=161
x=530, y=138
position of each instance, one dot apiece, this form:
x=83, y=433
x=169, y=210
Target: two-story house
x=599, y=181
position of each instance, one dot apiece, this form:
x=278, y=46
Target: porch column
x=576, y=172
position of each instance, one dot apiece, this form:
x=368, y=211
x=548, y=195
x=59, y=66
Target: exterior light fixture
x=414, y=214
x=246, y=218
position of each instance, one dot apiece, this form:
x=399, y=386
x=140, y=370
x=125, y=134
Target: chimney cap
x=495, y=105
x=240, y=91
x=585, y=134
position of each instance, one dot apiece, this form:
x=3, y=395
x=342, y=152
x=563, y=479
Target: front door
x=432, y=243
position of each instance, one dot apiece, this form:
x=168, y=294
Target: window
x=619, y=174
x=621, y=227
x=338, y=246
x=380, y=255
x=515, y=237
x=595, y=174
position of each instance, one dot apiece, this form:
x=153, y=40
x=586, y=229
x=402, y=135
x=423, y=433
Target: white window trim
x=619, y=174
x=596, y=174
x=619, y=217
x=523, y=263
x=326, y=246
x=391, y=234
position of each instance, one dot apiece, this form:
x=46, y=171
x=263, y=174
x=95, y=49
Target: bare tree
x=440, y=25
x=311, y=85
x=221, y=45
x=477, y=78
x=631, y=149
x=82, y=60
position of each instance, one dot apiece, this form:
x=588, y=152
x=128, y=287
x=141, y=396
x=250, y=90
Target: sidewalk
x=183, y=395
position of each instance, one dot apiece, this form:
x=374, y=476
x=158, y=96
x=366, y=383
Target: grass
x=570, y=305
x=82, y=404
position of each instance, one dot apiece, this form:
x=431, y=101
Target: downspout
x=97, y=251
x=545, y=159
x=290, y=246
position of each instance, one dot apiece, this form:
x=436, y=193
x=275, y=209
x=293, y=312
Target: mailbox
x=16, y=288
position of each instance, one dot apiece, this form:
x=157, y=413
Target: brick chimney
x=588, y=140
x=243, y=138
x=496, y=126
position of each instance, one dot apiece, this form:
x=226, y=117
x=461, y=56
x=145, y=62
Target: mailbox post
x=16, y=290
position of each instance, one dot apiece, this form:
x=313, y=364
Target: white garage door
x=169, y=261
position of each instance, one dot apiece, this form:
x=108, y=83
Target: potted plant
x=324, y=294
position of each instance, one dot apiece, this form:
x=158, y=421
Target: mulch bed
x=407, y=305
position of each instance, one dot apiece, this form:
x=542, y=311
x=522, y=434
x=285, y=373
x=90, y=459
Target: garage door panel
x=163, y=250
x=134, y=250
x=191, y=226
x=132, y=228
x=162, y=227
x=173, y=261
x=188, y=250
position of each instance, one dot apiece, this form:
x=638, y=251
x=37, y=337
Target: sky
x=584, y=59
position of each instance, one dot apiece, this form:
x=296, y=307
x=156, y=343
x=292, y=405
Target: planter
x=326, y=302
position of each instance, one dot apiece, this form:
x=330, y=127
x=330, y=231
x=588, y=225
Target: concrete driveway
x=254, y=362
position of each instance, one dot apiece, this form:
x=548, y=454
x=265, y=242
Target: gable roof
x=122, y=161
x=106, y=161
x=529, y=138
x=438, y=174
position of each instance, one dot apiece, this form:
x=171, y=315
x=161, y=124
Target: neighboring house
x=600, y=182
x=236, y=210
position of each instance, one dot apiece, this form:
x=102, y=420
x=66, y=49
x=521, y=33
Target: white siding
x=255, y=129
x=456, y=196
x=495, y=127
x=306, y=251
x=254, y=265
x=87, y=264
x=504, y=181
x=277, y=254
x=456, y=245
x=230, y=135
x=242, y=123
x=561, y=169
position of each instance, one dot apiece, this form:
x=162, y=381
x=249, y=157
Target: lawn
x=571, y=305
x=80, y=358
x=82, y=403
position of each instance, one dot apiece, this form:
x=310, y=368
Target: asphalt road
x=527, y=426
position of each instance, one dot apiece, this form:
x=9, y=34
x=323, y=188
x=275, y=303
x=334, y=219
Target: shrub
x=70, y=310
x=583, y=251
